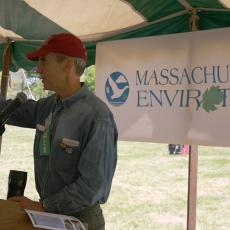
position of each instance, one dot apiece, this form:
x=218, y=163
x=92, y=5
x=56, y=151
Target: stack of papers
x=54, y=221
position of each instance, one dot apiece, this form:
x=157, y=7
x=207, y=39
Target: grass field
x=149, y=188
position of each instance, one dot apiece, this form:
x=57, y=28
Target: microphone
x=11, y=107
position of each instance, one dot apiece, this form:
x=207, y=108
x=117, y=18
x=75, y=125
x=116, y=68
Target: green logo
x=212, y=97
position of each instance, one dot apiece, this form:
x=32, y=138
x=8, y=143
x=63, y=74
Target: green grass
x=150, y=186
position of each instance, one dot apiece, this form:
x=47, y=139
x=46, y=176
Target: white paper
x=54, y=221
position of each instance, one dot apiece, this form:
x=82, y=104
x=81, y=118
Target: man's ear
x=69, y=64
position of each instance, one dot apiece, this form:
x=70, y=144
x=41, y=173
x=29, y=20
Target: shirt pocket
x=67, y=156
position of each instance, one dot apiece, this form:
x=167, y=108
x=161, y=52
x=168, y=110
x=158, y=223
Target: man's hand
x=26, y=203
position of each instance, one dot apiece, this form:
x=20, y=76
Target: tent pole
x=5, y=74
x=192, y=187
x=193, y=156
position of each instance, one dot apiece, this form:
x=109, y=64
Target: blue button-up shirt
x=78, y=169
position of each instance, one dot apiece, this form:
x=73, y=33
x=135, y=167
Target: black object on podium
x=16, y=183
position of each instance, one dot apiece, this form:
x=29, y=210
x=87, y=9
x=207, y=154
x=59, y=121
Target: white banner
x=170, y=89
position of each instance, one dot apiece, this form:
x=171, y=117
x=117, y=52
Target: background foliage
x=30, y=83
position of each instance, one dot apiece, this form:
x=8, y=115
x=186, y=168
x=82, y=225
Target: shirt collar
x=81, y=93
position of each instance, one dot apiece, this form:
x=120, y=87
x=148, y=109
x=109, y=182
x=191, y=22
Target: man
x=75, y=146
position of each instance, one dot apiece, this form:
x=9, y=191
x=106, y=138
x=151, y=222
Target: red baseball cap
x=64, y=43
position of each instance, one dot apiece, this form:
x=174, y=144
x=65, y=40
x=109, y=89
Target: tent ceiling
x=30, y=22
x=88, y=17
x=226, y=3
x=8, y=33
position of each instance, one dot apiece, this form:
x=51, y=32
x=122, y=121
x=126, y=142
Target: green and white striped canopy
x=26, y=24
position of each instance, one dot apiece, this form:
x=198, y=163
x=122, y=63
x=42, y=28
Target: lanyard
x=48, y=134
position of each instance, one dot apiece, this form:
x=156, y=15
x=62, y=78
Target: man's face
x=52, y=72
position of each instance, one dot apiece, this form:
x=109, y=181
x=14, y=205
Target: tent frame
x=5, y=74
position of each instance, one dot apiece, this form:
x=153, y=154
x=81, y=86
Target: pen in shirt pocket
x=69, y=145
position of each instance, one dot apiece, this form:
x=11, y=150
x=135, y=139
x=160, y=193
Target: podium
x=13, y=217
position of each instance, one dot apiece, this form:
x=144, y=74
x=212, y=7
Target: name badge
x=44, y=144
